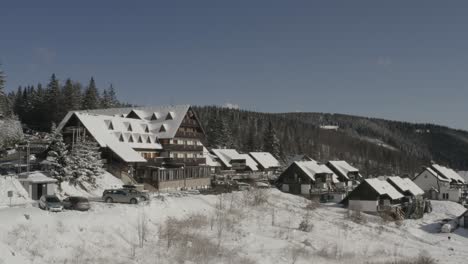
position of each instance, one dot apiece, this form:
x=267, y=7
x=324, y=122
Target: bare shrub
x=294, y=253
x=423, y=258
x=142, y=228
x=255, y=197
x=312, y=205
x=356, y=216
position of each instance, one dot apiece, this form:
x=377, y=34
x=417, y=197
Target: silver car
x=121, y=196
x=51, y=203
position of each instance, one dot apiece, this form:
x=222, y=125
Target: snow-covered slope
x=11, y=183
x=266, y=233
x=104, y=181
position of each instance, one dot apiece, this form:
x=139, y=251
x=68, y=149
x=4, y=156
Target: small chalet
x=441, y=183
x=230, y=159
x=306, y=178
x=373, y=195
x=37, y=184
x=346, y=174
x=266, y=161
x=406, y=187
x=159, y=145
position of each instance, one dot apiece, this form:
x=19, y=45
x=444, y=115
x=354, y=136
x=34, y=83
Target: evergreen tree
x=91, y=96
x=251, y=144
x=57, y=156
x=4, y=103
x=71, y=96
x=84, y=163
x=227, y=137
x=271, y=142
x=53, y=101
x=214, y=132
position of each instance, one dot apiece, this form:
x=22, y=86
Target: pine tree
x=57, y=156
x=214, y=132
x=4, y=103
x=271, y=142
x=91, y=96
x=71, y=96
x=226, y=132
x=251, y=144
x=53, y=101
x=84, y=163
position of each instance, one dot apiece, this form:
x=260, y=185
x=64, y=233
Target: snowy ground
x=222, y=229
x=11, y=183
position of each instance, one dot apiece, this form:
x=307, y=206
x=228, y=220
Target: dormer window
x=140, y=140
x=162, y=129
x=130, y=139
x=148, y=140
x=169, y=116
x=154, y=117
x=121, y=138
x=111, y=126
x=129, y=127
x=146, y=129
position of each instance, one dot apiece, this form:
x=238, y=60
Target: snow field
x=242, y=227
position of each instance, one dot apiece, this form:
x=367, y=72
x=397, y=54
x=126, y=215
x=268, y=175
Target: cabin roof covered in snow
x=252, y=164
x=448, y=173
x=311, y=168
x=36, y=177
x=210, y=158
x=265, y=159
x=226, y=155
x=343, y=167
x=406, y=185
x=437, y=175
x=384, y=188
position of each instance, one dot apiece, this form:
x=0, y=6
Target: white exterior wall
x=50, y=188
x=305, y=188
x=426, y=181
x=285, y=188
x=365, y=206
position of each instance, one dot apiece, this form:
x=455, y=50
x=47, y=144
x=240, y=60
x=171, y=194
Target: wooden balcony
x=189, y=123
x=182, y=147
x=183, y=134
x=177, y=161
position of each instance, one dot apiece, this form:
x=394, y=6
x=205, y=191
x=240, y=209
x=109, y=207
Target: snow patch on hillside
x=85, y=189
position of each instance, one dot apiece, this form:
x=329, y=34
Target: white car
x=51, y=203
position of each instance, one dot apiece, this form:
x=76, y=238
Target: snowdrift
x=11, y=183
x=103, y=182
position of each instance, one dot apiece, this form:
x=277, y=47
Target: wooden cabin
x=373, y=195
x=306, y=178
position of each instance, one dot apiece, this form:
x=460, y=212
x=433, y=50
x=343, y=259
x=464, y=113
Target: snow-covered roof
x=464, y=175
x=253, y=166
x=210, y=158
x=437, y=175
x=144, y=114
x=226, y=155
x=448, y=173
x=121, y=132
x=311, y=168
x=265, y=159
x=406, y=185
x=36, y=177
x=384, y=188
x=343, y=167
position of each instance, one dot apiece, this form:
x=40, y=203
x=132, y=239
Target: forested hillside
x=375, y=145
x=39, y=106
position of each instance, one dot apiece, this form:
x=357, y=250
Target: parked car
x=144, y=196
x=76, y=203
x=121, y=196
x=51, y=203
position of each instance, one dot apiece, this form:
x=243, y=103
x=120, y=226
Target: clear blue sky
x=402, y=60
